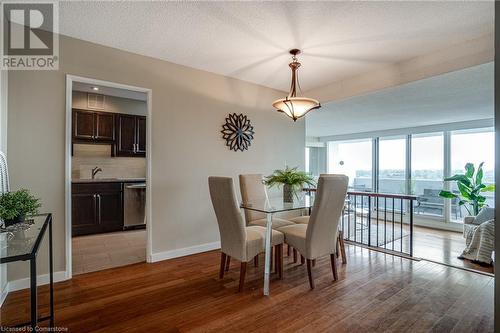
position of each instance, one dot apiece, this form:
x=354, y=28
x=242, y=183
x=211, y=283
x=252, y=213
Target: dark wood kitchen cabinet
x=96, y=208
x=131, y=136
x=92, y=126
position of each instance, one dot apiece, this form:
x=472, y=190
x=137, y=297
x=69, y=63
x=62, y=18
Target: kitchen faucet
x=95, y=171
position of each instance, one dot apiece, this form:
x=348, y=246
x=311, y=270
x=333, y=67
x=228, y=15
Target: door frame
x=70, y=79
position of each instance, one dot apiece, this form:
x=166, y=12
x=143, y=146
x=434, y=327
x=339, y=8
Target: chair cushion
x=486, y=214
x=256, y=240
x=295, y=235
x=300, y=220
x=277, y=223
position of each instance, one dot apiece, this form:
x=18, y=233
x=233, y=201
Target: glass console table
x=22, y=243
x=271, y=206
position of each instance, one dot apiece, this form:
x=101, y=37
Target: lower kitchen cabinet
x=96, y=208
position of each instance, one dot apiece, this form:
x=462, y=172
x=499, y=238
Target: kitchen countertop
x=108, y=180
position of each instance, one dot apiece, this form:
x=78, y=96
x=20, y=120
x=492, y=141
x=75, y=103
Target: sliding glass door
x=427, y=172
x=472, y=146
x=354, y=159
x=392, y=165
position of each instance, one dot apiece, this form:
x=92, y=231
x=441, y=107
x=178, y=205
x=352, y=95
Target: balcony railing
x=379, y=220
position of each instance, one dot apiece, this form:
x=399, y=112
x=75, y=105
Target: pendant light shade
x=293, y=106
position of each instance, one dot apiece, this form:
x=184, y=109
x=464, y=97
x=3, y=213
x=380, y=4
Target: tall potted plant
x=14, y=206
x=292, y=181
x=470, y=186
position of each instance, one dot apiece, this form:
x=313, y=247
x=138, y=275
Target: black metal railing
x=379, y=220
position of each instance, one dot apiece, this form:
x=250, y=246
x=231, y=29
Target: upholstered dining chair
x=238, y=241
x=252, y=189
x=314, y=239
x=340, y=238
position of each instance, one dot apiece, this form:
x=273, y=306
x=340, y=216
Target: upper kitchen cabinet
x=92, y=126
x=131, y=136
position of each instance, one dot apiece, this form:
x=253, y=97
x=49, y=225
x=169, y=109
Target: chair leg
x=309, y=273
x=294, y=256
x=302, y=259
x=276, y=259
x=256, y=261
x=280, y=260
x=222, y=264
x=243, y=271
x=288, y=250
x=314, y=262
x=342, y=247
x=228, y=262
x=337, y=250
x=333, y=260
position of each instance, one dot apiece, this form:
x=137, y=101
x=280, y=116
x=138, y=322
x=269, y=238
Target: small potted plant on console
x=14, y=206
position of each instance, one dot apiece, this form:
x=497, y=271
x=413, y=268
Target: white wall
x=188, y=109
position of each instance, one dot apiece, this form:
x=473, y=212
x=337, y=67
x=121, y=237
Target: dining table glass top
x=276, y=204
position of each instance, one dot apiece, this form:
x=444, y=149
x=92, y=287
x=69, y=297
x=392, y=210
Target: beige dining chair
x=253, y=190
x=238, y=241
x=314, y=240
x=340, y=239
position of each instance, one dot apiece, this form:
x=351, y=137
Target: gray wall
x=188, y=109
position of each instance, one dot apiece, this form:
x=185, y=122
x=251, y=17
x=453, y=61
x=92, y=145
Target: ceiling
x=463, y=95
x=109, y=91
x=250, y=40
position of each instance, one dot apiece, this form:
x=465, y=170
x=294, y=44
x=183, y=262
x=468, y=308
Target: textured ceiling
x=250, y=40
x=457, y=96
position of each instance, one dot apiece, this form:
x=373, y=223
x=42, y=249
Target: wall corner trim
x=182, y=252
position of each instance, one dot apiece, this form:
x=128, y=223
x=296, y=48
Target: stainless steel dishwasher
x=134, y=202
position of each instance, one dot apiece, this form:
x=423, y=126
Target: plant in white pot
x=291, y=179
x=14, y=206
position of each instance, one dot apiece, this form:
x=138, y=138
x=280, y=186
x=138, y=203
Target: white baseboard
x=25, y=283
x=184, y=251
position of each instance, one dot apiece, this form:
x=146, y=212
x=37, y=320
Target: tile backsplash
x=86, y=157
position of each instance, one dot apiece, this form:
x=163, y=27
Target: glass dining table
x=270, y=207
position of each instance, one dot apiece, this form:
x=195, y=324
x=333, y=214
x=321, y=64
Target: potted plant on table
x=292, y=181
x=14, y=206
x=470, y=186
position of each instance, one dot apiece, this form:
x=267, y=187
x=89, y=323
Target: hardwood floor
x=444, y=247
x=375, y=293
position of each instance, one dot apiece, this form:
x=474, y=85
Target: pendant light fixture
x=293, y=106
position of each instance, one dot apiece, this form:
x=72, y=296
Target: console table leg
x=51, y=277
x=33, y=290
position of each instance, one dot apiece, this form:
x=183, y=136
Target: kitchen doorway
x=108, y=163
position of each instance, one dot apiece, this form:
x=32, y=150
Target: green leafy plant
x=470, y=185
x=14, y=205
x=291, y=179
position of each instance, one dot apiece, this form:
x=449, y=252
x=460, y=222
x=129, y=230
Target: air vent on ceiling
x=95, y=101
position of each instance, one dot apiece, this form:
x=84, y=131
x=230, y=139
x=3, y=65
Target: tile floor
x=97, y=252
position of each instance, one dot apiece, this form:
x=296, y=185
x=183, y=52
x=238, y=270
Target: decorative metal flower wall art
x=237, y=132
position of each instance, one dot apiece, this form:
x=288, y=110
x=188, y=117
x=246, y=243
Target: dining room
x=245, y=232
